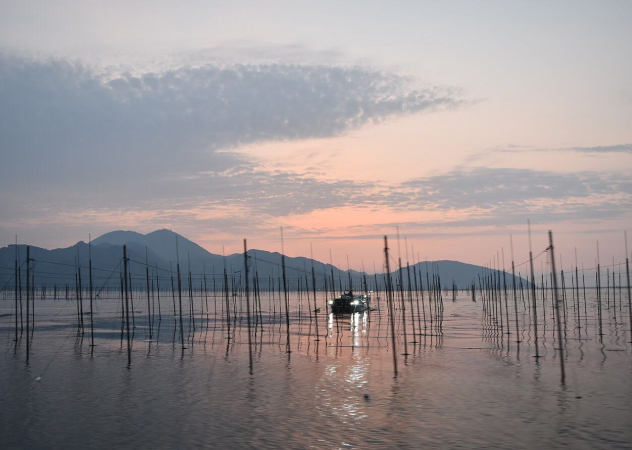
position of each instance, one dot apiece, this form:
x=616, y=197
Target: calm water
x=463, y=384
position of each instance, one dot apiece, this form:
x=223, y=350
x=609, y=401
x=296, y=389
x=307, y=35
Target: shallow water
x=463, y=384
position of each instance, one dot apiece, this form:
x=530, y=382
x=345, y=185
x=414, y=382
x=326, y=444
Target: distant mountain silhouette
x=158, y=250
x=162, y=242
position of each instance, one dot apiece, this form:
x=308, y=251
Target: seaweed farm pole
x=389, y=296
x=131, y=294
x=28, y=278
x=214, y=298
x=129, y=346
x=248, y=305
x=505, y=292
x=191, y=310
x=257, y=290
x=227, y=298
x=417, y=298
x=401, y=291
x=483, y=299
x=149, y=324
x=599, y=293
x=607, y=288
x=91, y=290
x=16, y=293
x=575, y=306
x=535, y=311
x=333, y=282
x=410, y=292
x=557, y=309
x=179, y=294
x=79, y=292
x=429, y=295
x=495, y=276
x=158, y=292
x=122, y=307
x=33, y=298
x=627, y=272
x=513, y=283
x=410, y=298
x=19, y=284
x=205, y=292
x=287, y=301
x=577, y=291
x=326, y=286
x=311, y=250
x=77, y=301
x=497, y=287
x=377, y=289
x=349, y=273
x=620, y=286
x=423, y=301
x=173, y=291
x=271, y=301
x=614, y=291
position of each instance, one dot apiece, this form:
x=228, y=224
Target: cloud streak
x=489, y=188
x=480, y=197
x=76, y=136
x=73, y=113
x=594, y=150
x=620, y=148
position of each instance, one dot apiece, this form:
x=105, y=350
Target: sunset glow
x=221, y=133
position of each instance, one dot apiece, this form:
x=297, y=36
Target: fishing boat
x=348, y=303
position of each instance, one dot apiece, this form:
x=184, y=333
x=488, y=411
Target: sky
x=342, y=122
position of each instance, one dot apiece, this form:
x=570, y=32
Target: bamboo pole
x=91, y=291
x=28, y=290
x=557, y=309
x=401, y=298
x=311, y=250
x=179, y=275
x=535, y=310
x=16, y=289
x=248, y=305
x=627, y=272
x=389, y=295
x=287, y=301
x=129, y=345
x=149, y=322
x=513, y=284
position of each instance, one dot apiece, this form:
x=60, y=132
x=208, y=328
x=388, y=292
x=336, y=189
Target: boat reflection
x=343, y=384
x=353, y=325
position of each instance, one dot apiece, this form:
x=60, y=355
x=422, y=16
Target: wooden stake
x=557, y=309
x=129, y=344
x=248, y=304
x=28, y=279
x=91, y=291
x=389, y=294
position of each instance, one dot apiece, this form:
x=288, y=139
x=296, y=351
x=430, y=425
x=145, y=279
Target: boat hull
x=349, y=304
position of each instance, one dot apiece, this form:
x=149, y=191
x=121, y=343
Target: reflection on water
x=343, y=387
x=464, y=383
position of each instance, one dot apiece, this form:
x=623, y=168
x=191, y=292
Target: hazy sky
x=456, y=121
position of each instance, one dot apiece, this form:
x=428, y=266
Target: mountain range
x=158, y=252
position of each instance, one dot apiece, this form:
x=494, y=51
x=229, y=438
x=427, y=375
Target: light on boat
x=355, y=302
x=331, y=302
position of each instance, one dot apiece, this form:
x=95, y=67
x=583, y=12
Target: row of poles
x=490, y=290
x=493, y=293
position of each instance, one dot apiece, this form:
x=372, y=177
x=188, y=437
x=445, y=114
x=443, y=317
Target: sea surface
x=465, y=383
